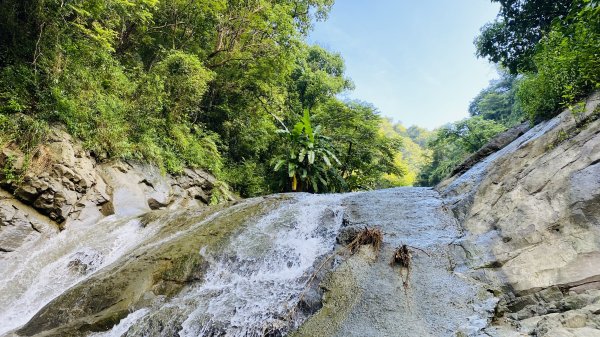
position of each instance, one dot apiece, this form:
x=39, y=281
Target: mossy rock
x=162, y=265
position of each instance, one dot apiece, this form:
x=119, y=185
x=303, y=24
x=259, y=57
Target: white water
x=30, y=281
x=255, y=280
x=251, y=287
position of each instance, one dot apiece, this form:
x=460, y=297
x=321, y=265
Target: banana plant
x=310, y=160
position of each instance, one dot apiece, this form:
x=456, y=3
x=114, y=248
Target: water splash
x=30, y=281
x=257, y=278
x=124, y=324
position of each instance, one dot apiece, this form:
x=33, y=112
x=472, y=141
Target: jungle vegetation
x=233, y=87
x=547, y=54
x=226, y=85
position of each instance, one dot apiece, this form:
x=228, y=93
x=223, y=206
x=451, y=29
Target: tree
x=309, y=162
x=470, y=134
x=412, y=157
x=568, y=66
x=418, y=135
x=512, y=38
x=498, y=101
x=453, y=143
x=317, y=77
x=365, y=153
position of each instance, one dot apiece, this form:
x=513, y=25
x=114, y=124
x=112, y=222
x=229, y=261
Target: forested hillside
x=228, y=86
x=234, y=88
x=548, y=58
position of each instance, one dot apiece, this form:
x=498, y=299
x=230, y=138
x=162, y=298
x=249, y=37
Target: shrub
x=249, y=178
x=568, y=67
x=24, y=131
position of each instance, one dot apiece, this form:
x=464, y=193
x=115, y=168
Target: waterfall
x=52, y=265
x=251, y=285
x=246, y=270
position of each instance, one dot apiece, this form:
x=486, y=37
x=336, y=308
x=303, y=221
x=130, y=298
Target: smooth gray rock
x=531, y=216
x=64, y=185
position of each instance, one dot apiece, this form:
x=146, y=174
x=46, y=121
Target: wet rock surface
x=212, y=271
x=148, y=273
x=366, y=296
x=532, y=226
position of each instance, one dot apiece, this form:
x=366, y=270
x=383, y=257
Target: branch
x=36, y=53
x=272, y=114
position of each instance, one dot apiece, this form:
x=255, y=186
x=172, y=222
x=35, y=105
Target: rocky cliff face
x=64, y=185
x=531, y=216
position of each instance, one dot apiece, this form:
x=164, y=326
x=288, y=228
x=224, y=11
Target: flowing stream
x=255, y=280
x=252, y=286
x=249, y=287
x=49, y=266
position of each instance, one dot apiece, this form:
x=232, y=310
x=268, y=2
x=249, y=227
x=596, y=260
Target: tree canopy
x=512, y=38
x=498, y=102
x=202, y=83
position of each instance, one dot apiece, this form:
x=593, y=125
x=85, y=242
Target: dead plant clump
x=367, y=237
x=403, y=258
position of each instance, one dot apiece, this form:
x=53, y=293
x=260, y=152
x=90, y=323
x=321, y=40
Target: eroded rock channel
x=242, y=271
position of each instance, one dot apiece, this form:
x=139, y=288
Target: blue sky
x=414, y=60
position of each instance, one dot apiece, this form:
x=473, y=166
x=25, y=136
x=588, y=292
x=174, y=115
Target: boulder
x=20, y=224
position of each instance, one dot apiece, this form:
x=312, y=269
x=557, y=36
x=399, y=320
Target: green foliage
x=182, y=82
x=319, y=76
x=308, y=165
x=24, y=134
x=498, y=102
x=453, y=143
x=418, y=135
x=191, y=83
x=469, y=134
x=248, y=178
x=366, y=153
x=568, y=66
x=412, y=157
x=512, y=38
x=24, y=131
x=554, y=44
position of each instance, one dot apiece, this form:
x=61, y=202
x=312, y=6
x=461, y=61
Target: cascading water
x=52, y=265
x=29, y=281
x=252, y=287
